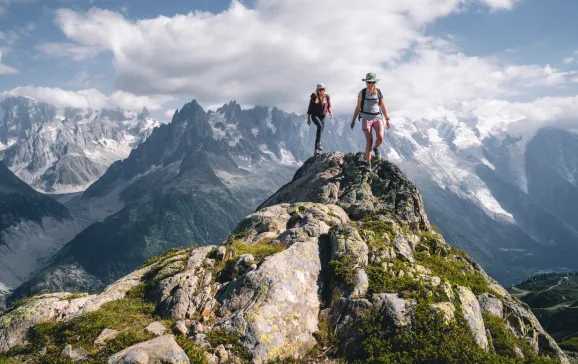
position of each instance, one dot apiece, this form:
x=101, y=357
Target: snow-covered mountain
x=62, y=151
x=490, y=189
x=33, y=227
x=193, y=179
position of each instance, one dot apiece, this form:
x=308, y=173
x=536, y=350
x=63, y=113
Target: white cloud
x=500, y=4
x=68, y=50
x=6, y=70
x=265, y=54
x=89, y=98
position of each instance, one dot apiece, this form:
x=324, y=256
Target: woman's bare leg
x=368, y=145
x=378, y=133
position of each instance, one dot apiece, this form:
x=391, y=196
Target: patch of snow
x=488, y=201
x=288, y=159
x=255, y=131
x=393, y=155
x=269, y=121
x=488, y=164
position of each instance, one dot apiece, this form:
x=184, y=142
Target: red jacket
x=318, y=108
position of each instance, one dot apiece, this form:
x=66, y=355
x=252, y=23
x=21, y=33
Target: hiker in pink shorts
x=371, y=111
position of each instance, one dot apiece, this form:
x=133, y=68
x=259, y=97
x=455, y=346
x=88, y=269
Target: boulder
x=274, y=309
x=156, y=328
x=345, y=241
x=473, y=316
x=180, y=328
x=160, y=350
x=490, y=304
x=395, y=310
x=447, y=309
x=76, y=355
x=104, y=336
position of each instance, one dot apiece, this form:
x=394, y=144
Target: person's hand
x=352, y=124
x=330, y=116
x=387, y=123
x=308, y=121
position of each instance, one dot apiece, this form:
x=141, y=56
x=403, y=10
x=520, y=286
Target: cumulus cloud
x=89, y=98
x=6, y=70
x=276, y=51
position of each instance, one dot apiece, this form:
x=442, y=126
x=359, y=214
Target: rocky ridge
x=339, y=263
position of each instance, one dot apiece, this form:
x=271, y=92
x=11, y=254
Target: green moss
x=344, y=270
x=169, y=254
x=453, y=270
x=196, y=355
x=74, y=296
x=260, y=250
x=383, y=281
x=427, y=340
x=376, y=233
x=239, y=235
x=504, y=342
x=325, y=336
x=221, y=337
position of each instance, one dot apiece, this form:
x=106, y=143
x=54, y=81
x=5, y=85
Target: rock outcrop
x=339, y=264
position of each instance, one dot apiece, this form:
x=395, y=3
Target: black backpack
x=363, y=93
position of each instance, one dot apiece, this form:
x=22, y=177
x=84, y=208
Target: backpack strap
x=363, y=93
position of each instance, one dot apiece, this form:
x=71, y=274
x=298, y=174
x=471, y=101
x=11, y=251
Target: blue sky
x=514, y=42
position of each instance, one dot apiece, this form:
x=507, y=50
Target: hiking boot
x=317, y=151
x=376, y=152
x=367, y=167
x=319, y=147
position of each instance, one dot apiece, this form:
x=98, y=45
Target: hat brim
x=364, y=80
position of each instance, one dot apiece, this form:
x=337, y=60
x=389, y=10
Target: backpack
x=363, y=93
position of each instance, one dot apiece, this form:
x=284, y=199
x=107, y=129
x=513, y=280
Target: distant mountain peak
x=66, y=150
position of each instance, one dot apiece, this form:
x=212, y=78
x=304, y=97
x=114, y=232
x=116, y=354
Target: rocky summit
x=339, y=265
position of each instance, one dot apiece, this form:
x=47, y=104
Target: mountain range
x=65, y=150
x=194, y=178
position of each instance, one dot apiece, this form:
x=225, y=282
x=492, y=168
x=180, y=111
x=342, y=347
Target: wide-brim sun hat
x=370, y=77
x=320, y=86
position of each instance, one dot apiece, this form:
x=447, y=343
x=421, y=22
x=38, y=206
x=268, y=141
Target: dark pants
x=319, y=121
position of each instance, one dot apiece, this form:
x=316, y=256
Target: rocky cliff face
x=338, y=264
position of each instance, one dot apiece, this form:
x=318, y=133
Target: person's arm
x=309, y=111
x=384, y=111
x=356, y=112
x=329, y=107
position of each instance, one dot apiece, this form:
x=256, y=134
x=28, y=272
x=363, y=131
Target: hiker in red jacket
x=319, y=106
x=371, y=111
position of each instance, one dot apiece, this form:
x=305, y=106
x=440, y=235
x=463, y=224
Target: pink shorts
x=366, y=125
